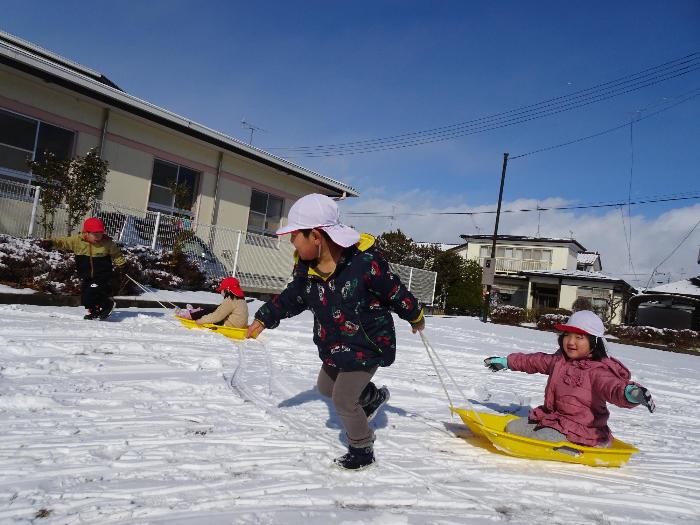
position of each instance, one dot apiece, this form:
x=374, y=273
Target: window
x=23, y=138
x=173, y=188
x=265, y=213
x=524, y=254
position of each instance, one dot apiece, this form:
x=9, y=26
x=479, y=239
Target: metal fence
x=261, y=263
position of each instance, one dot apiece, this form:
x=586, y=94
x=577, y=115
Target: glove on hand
x=496, y=363
x=640, y=396
x=45, y=244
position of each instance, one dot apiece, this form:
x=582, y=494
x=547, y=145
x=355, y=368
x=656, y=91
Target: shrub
x=511, y=315
x=659, y=336
x=582, y=303
x=532, y=315
x=547, y=321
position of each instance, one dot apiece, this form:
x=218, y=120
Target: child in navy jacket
x=341, y=277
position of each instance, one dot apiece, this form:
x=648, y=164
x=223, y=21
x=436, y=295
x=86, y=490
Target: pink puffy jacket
x=576, y=394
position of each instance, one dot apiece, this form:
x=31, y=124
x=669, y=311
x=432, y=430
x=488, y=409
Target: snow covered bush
x=24, y=264
x=657, y=336
x=511, y=315
x=547, y=321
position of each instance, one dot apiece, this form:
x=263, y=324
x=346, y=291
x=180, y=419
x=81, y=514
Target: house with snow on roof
x=543, y=272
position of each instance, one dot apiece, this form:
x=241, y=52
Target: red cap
x=93, y=225
x=232, y=285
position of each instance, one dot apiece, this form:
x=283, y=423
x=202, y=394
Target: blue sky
x=315, y=73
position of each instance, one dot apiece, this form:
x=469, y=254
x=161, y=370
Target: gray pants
x=345, y=389
x=523, y=427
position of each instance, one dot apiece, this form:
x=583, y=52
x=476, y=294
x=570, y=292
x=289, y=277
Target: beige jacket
x=235, y=311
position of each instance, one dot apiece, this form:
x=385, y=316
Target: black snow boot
x=378, y=400
x=92, y=314
x=356, y=458
x=106, y=309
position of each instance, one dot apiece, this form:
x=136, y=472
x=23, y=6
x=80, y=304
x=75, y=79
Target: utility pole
x=492, y=261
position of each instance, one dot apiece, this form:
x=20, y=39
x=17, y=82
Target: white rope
x=429, y=348
x=149, y=291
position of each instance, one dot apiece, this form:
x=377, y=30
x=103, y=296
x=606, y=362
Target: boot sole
x=344, y=469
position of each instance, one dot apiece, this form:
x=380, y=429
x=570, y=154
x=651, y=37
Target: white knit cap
x=318, y=211
x=583, y=322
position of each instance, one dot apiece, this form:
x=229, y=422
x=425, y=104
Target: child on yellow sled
x=582, y=379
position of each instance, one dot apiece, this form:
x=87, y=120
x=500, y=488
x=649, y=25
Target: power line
x=680, y=197
x=685, y=238
x=688, y=96
x=598, y=93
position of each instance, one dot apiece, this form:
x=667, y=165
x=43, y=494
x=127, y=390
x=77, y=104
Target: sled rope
x=149, y=291
x=429, y=349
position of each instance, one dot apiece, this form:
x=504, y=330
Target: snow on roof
x=576, y=274
x=684, y=287
x=522, y=238
x=587, y=257
x=443, y=246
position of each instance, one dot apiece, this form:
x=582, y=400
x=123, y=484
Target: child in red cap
x=232, y=312
x=582, y=379
x=95, y=257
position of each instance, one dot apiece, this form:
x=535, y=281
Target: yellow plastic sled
x=492, y=427
x=228, y=331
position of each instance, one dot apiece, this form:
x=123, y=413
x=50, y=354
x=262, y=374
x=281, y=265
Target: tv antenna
x=253, y=128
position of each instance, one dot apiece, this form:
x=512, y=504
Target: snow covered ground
x=138, y=420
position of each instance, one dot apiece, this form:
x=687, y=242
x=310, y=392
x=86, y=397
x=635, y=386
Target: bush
x=582, y=303
x=658, y=336
x=532, y=315
x=511, y=315
x=547, y=321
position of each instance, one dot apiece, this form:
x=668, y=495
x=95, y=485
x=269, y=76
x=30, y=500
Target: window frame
x=28, y=176
x=162, y=208
x=263, y=231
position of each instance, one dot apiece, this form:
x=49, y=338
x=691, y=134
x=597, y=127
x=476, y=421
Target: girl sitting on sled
x=582, y=379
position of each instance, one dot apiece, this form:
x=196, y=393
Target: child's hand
x=418, y=327
x=640, y=396
x=199, y=322
x=496, y=363
x=254, y=329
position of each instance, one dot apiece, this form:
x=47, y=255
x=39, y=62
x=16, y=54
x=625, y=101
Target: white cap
x=321, y=212
x=583, y=322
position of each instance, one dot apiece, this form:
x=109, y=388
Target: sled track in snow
x=237, y=383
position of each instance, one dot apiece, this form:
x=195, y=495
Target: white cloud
x=652, y=238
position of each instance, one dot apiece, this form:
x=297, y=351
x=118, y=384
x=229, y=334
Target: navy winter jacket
x=353, y=327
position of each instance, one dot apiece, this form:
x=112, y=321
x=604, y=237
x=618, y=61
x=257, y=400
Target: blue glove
x=640, y=396
x=496, y=363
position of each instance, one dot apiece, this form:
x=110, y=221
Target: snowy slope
x=138, y=420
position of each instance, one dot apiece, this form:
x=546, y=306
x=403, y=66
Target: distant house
x=539, y=272
x=673, y=305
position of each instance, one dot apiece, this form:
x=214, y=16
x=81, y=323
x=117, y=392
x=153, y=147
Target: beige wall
x=563, y=257
x=132, y=144
x=567, y=296
x=49, y=98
